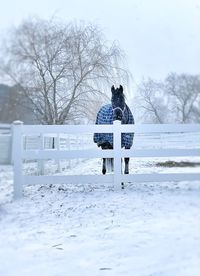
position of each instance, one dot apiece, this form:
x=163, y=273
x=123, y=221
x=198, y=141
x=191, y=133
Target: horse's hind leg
x=126, y=170
x=122, y=183
x=104, y=166
x=112, y=164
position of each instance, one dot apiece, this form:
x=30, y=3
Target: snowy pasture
x=147, y=229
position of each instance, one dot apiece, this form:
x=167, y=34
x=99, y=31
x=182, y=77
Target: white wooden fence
x=34, y=142
x=19, y=154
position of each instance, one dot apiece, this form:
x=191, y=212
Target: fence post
x=58, y=148
x=41, y=162
x=68, y=147
x=117, y=155
x=17, y=148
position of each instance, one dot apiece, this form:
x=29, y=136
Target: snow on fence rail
x=19, y=154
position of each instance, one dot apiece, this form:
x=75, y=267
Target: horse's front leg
x=104, y=166
x=126, y=170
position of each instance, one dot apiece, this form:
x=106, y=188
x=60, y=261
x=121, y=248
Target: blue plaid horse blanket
x=105, y=117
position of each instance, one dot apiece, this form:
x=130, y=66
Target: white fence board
x=144, y=128
x=84, y=179
x=72, y=129
x=57, y=179
x=161, y=177
x=63, y=154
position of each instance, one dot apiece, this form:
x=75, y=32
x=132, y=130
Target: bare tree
x=61, y=68
x=184, y=96
x=176, y=99
x=150, y=103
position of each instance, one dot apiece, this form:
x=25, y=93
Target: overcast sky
x=158, y=36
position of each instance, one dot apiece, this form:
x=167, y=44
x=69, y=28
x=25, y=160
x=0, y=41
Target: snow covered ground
x=148, y=229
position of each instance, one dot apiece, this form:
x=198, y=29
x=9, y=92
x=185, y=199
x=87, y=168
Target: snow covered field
x=148, y=229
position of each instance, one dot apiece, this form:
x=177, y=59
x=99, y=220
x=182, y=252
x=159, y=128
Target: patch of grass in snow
x=178, y=164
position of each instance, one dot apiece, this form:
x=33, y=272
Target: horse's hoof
x=103, y=171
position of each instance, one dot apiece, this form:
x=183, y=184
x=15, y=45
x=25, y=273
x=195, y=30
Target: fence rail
x=139, y=128
x=19, y=153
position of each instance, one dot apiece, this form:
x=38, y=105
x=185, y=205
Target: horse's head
x=118, y=102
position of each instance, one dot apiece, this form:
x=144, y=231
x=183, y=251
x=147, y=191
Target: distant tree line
x=14, y=106
x=174, y=100
x=62, y=72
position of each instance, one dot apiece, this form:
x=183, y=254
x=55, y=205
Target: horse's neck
x=125, y=118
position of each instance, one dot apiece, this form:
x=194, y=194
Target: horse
x=117, y=110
